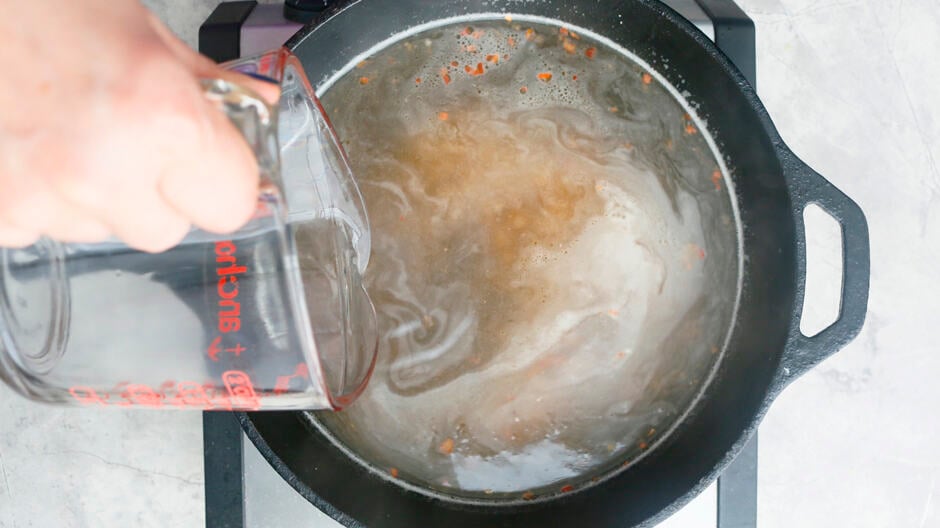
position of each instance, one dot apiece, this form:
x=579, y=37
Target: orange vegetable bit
x=443, y=116
x=470, y=49
x=528, y=495
x=467, y=31
x=647, y=79
x=716, y=180
x=476, y=71
x=545, y=76
x=643, y=445
x=529, y=34
x=492, y=58
x=590, y=52
x=569, y=46
x=446, y=447
x=511, y=41
x=445, y=76
x=393, y=472
x=574, y=77
x=477, y=34
x=454, y=63
x=362, y=64
x=574, y=35
x=613, y=109
x=563, y=31
x=524, y=89
x=567, y=488
x=364, y=80
x=690, y=128
x=418, y=80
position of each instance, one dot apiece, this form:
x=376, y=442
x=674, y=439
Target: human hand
x=104, y=130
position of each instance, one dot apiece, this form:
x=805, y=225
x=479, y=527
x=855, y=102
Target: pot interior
x=526, y=178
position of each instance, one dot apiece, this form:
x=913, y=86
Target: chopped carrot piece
x=574, y=35
x=523, y=90
x=569, y=46
x=418, y=80
x=528, y=495
x=467, y=31
x=529, y=34
x=393, y=472
x=574, y=77
x=443, y=116
x=566, y=488
x=647, y=78
x=716, y=180
x=363, y=80
x=446, y=447
x=446, y=78
x=545, y=76
x=643, y=445
x=454, y=63
x=690, y=129
x=493, y=58
x=590, y=52
x=563, y=31
x=511, y=41
x=477, y=71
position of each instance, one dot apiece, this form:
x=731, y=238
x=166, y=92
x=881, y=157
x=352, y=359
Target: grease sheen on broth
x=554, y=262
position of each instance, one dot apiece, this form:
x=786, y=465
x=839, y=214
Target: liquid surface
x=554, y=258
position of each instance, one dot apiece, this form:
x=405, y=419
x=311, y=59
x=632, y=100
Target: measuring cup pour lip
x=52, y=327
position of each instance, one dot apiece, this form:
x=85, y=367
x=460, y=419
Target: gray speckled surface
x=852, y=86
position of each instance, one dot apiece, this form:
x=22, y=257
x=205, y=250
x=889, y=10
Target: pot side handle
x=808, y=187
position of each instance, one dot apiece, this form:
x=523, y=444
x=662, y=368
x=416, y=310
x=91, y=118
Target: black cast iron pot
x=766, y=350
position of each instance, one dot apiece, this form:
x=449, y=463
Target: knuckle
x=169, y=235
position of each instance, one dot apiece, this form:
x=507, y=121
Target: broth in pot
x=555, y=259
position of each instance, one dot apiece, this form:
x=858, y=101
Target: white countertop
x=854, y=88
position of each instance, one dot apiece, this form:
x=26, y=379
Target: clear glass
x=272, y=317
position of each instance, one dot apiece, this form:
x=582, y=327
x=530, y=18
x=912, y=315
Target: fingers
x=14, y=237
x=148, y=223
x=216, y=187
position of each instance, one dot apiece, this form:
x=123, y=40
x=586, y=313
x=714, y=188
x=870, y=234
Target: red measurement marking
x=282, y=384
x=192, y=394
x=228, y=270
x=236, y=350
x=240, y=390
x=142, y=395
x=214, y=349
x=87, y=396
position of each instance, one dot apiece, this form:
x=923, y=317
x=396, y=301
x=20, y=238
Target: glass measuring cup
x=273, y=316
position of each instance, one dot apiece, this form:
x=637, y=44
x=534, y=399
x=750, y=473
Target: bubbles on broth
x=553, y=266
